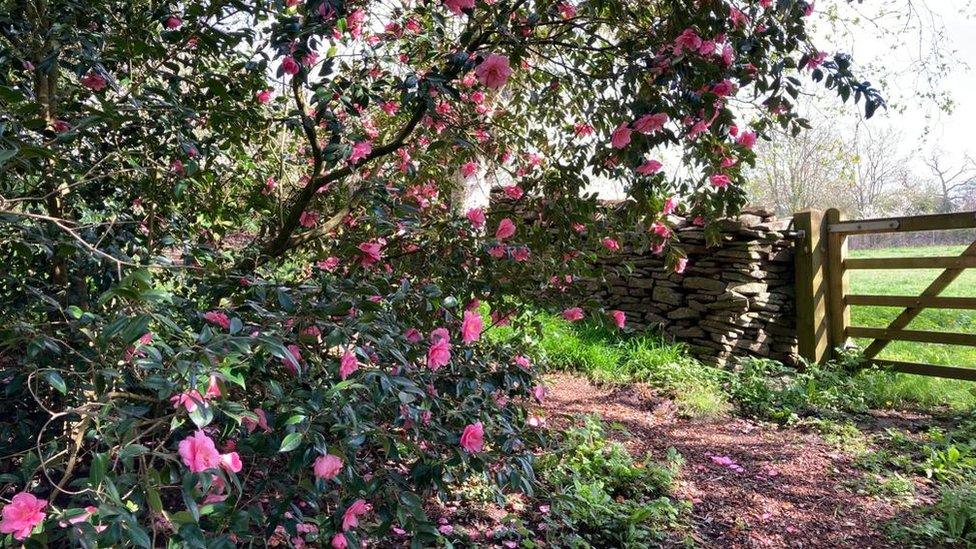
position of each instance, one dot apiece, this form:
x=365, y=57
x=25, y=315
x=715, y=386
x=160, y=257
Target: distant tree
x=805, y=171
x=877, y=169
x=953, y=184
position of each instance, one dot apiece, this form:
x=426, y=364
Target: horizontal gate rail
x=924, y=302
x=953, y=372
x=824, y=299
x=936, y=222
x=954, y=262
x=888, y=334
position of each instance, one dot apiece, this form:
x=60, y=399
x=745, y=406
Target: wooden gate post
x=838, y=282
x=810, y=287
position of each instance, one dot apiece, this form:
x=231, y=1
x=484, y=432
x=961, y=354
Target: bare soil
x=751, y=484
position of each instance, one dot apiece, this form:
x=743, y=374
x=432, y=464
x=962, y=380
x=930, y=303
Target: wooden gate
x=823, y=297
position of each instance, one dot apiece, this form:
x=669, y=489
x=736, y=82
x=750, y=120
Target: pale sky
x=884, y=41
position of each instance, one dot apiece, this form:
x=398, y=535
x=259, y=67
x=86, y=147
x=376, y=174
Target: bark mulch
x=752, y=484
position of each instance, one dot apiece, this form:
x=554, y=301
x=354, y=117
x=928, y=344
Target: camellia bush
x=244, y=295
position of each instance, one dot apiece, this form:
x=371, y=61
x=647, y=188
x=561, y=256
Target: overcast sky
x=883, y=39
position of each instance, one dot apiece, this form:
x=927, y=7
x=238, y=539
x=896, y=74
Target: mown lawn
x=911, y=282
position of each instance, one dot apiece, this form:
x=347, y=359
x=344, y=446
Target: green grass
x=921, y=390
x=607, y=356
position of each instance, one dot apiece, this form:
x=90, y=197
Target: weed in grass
x=602, y=497
x=950, y=522
x=611, y=357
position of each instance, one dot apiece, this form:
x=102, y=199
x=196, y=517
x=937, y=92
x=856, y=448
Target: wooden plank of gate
x=954, y=372
x=910, y=263
x=911, y=301
x=837, y=281
x=909, y=314
x=920, y=336
x=811, y=286
x=935, y=222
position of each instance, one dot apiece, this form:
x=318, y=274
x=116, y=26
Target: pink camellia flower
x=439, y=353
x=339, y=541
x=520, y=253
x=293, y=360
x=83, y=517
x=348, y=364
x=660, y=229
x=815, y=60
x=536, y=422
x=505, y=229
x=611, y=244
x=262, y=421
x=471, y=327
x=94, y=81
x=360, y=150
x=573, y=314
x=218, y=318
x=681, y=265
x=327, y=467
x=263, y=96
x=719, y=180
x=473, y=438
x=522, y=361
x=173, y=22
x=513, y=191
x=747, y=139
x=738, y=18
x=328, y=264
x=290, y=66
x=22, y=514
x=477, y=217
x=213, y=387
x=494, y=71
x=582, y=129
x=724, y=88
x=199, y=453
x=469, y=168
x=61, y=126
x=650, y=123
x=231, y=462
x=188, y=399
x=413, y=335
x=176, y=167
x=308, y=219
x=650, y=167
x=670, y=205
x=567, y=10
x=458, y=6
x=619, y=318
x=372, y=252
x=539, y=392
x=350, y=519
x=621, y=136
x=688, y=41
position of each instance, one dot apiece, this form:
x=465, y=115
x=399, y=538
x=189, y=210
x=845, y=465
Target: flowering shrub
x=241, y=284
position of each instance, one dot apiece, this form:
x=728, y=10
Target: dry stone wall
x=734, y=298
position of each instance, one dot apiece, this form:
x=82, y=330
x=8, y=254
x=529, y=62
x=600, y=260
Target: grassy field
x=911, y=283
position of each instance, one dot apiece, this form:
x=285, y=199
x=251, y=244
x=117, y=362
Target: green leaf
x=290, y=442
x=6, y=154
x=98, y=467
x=55, y=380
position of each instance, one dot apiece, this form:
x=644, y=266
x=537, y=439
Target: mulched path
x=766, y=486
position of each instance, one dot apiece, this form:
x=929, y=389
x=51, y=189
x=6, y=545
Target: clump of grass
x=613, y=357
x=604, y=497
x=896, y=390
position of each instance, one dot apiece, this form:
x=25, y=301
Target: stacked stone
x=734, y=298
